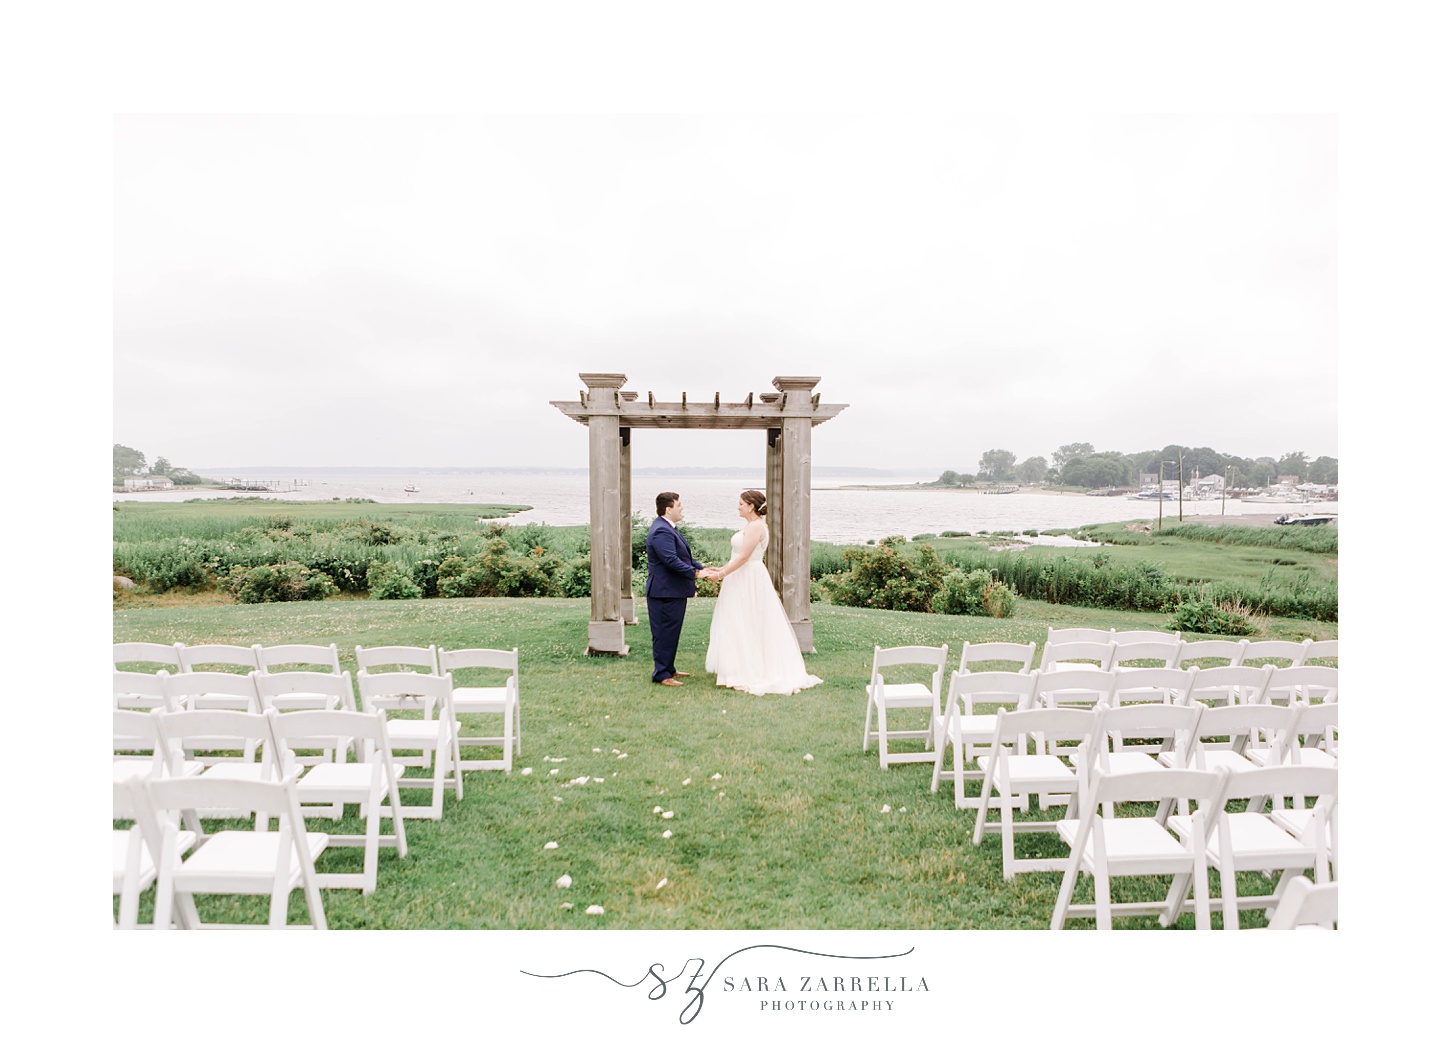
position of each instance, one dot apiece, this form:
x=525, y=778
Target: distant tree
x=1324, y=470
x=127, y=461
x=1262, y=472
x=1204, y=460
x=181, y=476
x=1098, y=471
x=162, y=466
x=1072, y=450
x=1296, y=463
x=950, y=478
x=997, y=464
x=1034, y=469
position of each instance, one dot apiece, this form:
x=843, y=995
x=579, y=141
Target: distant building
x=147, y=481
x=1210, y=483
x=1289, y=479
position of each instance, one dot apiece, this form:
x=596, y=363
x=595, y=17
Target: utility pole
x=1224, y=489
x=1161, y=492
x=1181, y=486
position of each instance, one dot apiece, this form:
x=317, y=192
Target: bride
x=752, y=646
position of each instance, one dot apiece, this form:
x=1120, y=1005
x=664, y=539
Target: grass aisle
x=776, y=842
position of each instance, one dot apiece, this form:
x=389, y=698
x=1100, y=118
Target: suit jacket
x=672, y=567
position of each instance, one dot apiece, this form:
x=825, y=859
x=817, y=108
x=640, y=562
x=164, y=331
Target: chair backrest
x=1129, y=637
x=993, y=653
x=910, y=655
x=215, y=729
x=1303, y=684
x=147, y=652
x=1077, y=634
x=134, y=737
x=1311, y=722
x=305, y=689
x=968, y=691
x=1241, y=724
x=406, y=691
x=1074, y=654
x=1290, y=653
x=133, y=691
x=1170, y=723
x=211, y=690
x=309, y=729
x=1056, y=724
x=408, y=657
x=1205, y=788
x=1321, y=650
x=1231, y=684
x=1152, y=684
x=1162, y=651
x=1307, y=905
x=203, y=657
x=1215, y=648
x=1074, y=686
x=1286, y=780
x=326, y=656
x=479, y=658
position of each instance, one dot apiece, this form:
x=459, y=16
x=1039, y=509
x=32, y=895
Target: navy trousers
x=666, y=617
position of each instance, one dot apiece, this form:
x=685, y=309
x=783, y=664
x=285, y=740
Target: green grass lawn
x=777, y=841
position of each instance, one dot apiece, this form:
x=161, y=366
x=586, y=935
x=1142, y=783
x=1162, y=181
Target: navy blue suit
x=669, y=585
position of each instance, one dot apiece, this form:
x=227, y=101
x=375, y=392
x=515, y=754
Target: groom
x=671, y=581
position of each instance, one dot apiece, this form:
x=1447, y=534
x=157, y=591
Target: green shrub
x=974, y=593
x=499, y=572
x=1000, y=600
x=388, y=581
x=1207, y=616
x=924, y=536
x=425, y=576
x=574, y=579
x=886, y=577
x=290, y=581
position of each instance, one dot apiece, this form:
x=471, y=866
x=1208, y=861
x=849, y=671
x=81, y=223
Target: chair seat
x=480, y=700
x=978, y=727
x=1027, y=770
x=1226, y=759
x=333, y=778
x=1295, y=821
x=900, y=695
x=242, y=857
x=402, y=731
x=1128, y=760
x=120, y=841
x=1255, y=839
x=1130, y=839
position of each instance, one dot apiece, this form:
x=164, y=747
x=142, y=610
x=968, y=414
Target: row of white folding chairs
x=1260, y=731
x=1237, y=653
x=1260, y=839
x=502, y=699
x=1074, y=684
x=372, y=782
x=183, y=863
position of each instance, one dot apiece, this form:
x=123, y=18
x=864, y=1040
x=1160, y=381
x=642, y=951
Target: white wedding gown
x=752, y=646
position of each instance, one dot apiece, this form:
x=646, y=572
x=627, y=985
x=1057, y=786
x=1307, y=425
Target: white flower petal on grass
x=622, y=756
x=559, y=798
x=614, y=751
x=808, y=757
x=526, y=771
x=554, y=771
x=563, y=881
x=686, y=782
x=901, y=809
x=886, y=808
x=595, y=750
x=599, y=779
x=715, y=776
x=667, y=814
x=657, y=810
x=550, y=846
x=595, y=910
x=663, y=881
x=567, y=905
x=666, y=835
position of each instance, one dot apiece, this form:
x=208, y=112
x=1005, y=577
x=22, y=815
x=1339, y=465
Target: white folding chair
x=501, y=699
x=434, y=735
x=1251, y=842
x=1307, y=906
x=997, y=655
x=1013, y=775
x=1162, y=653
x=1228, y=685
x=1080, y=687
x=271, y=657
x=1274, y=653
x=137, y=749
x=1090, y=634
x=1108, y=753
x=367, y=782
x=1318, y=651
x=212, y=690
x=309, y=690
x=185, y=732
x=204, y=657
x=134, y=691
x=149, y=653
x=966, y=726
x=1129, y=637
x=386, y=658
x=1208, y=653
x=1303, y=684
x=261, y=861
x=913, y=695
x=1076, y=655
x=1311, y=739
x=1151, y=685
x=133, y=859
x=1108, y=844
x=1224, y=735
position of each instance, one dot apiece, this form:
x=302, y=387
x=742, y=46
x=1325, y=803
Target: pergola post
x=795, y=504
x=612, y=416
x=606, y=623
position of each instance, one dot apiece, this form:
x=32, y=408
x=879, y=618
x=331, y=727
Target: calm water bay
x=839, y=515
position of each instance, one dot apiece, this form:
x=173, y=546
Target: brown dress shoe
x=672, y=681
x=680, y=673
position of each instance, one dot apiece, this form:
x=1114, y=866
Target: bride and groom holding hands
x=752, y=646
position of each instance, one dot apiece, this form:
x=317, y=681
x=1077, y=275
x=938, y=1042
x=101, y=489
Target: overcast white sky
x=406, y=290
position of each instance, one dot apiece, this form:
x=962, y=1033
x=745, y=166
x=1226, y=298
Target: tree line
x=131, y=463
x=1078, y=463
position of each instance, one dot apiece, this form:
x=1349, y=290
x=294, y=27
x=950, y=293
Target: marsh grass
x=777, y=842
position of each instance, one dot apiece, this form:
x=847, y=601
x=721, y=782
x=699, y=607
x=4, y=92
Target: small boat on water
x=1304, y=519
x=410, y=488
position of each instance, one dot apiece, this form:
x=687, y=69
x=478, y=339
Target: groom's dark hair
x=663, y=502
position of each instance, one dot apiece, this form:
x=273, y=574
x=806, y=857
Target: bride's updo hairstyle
x=757, y=500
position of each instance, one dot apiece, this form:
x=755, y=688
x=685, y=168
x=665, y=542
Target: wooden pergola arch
x=786, y=415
